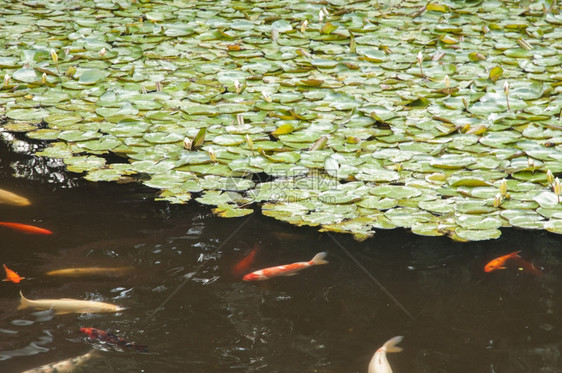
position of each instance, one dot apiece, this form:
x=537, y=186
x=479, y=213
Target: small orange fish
x=285, y=270
x=11, y=275
x=29, y=229
x=499, y=263
x=242, y=265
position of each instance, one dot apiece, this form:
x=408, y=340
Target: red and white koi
x=285, y=270
x=379, y=363
x=111, y=339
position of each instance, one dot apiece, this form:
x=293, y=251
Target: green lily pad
x=92, y=76
x=554, y=226
x=29, y=115
x=478, y=234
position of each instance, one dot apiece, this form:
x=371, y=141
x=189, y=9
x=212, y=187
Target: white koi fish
x=66, y=305
x=285, y=270
x=13, y=199
x=64, y=366
x=379, y=363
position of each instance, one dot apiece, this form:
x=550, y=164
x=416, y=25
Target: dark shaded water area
x=185, y=303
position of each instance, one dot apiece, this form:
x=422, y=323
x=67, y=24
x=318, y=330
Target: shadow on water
x=326, y=319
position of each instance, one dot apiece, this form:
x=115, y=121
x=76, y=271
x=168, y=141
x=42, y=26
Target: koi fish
x=499, y=263
x=91, y=272
x=13, y=199
x=111, y=339
x=29, y=229
x=11, y=275
x=68, y=365
x=66, y=305
x=379, y=362
x=285, y=270
x=527, y=266
x=242, y=265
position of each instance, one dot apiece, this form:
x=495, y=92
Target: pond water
x=184, y=302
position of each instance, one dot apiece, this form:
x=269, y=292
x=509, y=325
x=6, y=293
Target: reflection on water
x=185, y=303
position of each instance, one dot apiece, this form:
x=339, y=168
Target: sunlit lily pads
x=439, y=117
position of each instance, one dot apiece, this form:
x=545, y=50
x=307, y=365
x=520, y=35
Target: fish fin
x=24, y=302
x=319, y=258
x=289, y=274
x=61, y=312
x=390, y=345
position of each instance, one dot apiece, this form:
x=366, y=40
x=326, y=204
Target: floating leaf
x=283, y=130
x=495, y=73
x=92, y=76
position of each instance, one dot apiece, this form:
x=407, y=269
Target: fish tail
x=390, y=345
x=515, y=254
x=319, y=258
x=24, y=302
x=93, y=353
x=140, y=348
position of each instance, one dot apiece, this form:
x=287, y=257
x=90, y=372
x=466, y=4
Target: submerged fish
x=29, y=229
x=13, y=199
x=499, y=263
x=379, y=363
x=64, y=366
x=285, y=270
x=527, y=266
x=242, y=265
x=91, y=271
x=11, y=275
x=111, y=339
x=66, y=305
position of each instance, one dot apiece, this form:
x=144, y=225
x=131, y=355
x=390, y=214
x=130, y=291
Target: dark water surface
x=328, y=318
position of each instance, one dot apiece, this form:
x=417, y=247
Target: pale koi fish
x=65, y=366
x=285, y=270
x=91, y=272
x=379, y=363
x=66, y=305
x=13, y=199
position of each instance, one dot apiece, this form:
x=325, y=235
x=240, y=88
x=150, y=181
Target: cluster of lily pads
x=441, y=117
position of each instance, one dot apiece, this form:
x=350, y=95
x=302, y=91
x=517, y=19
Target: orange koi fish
x=285, y=270
x=29, y=229
x=11, y=275
x=111, y=339
x=242, y=265
x=499, y=263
